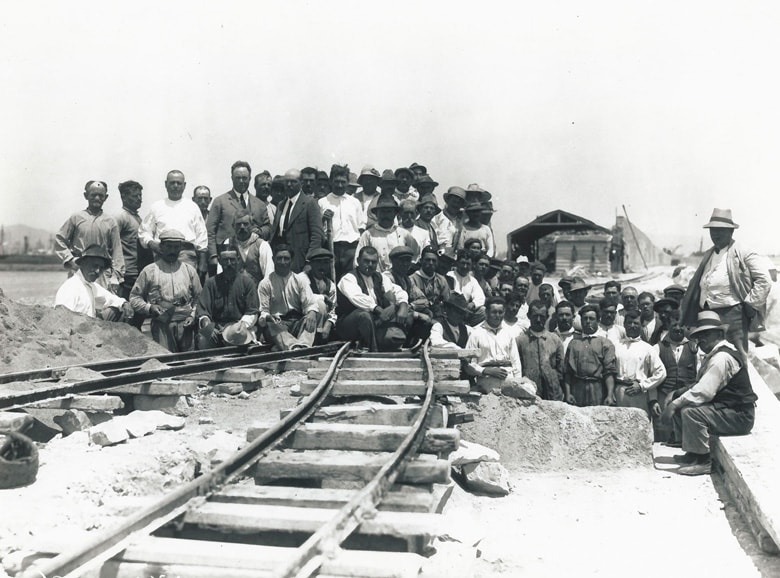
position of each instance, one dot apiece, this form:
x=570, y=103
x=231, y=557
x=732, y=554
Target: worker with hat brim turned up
x=720, y=402
x=731, y=281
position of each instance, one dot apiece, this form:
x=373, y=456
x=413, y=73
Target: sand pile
x=555, y=436
x=35, y=336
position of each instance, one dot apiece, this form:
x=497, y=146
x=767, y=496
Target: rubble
x=108, y=433
x=470, y=452
x=15, y=421
x=487, y=478
x=171, y=404
x=72, y=421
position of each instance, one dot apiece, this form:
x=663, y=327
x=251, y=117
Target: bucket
x=18, y=460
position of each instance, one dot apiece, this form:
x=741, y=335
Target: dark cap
x=95, y=251
x=319, y=254
x=401, y=251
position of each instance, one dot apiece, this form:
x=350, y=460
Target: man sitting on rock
x=371, y=310
x=288, y=311
x=81, y=294
x=227, y=298
x=498, y=367
x=462, y=281
x=590, y=364
x=432, y=284
x=450, y=330
x=639, y=369
x=541, y=354
x=167, y=291
x=721, y=402
x=324, y=290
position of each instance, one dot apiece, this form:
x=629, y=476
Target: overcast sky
x=670, y=108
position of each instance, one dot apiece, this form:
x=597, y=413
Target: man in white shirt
x=177, y=213
x=385, y=235
x=371, y=309
x=81, y=294
x=343, y=218
x=639, y=368
x=448, y=223
x=498, y=365
x=463, y=282
x=647, y=317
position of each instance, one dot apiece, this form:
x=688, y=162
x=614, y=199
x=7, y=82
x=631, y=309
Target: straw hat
x=707, y=321
x=236, y=334
x=721, y=218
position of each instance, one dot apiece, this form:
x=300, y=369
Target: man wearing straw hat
x=385, y=234
x=720, y=402
x=731, y=281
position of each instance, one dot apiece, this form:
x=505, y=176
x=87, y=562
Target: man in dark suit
x=219, y=224
x=298, y=221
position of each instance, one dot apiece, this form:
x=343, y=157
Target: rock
x=152, y=364
x=227, y=388
x=72, y=421
x=469, y=453
x=76, y=439
x=243, y=395
x=206, y=419
x=216, y=448
x=171, y=404
x=162, y=420
x=14, y=421
x=487, y=478
x=138, y=423
x=161, y=387
x=98, y=417
x=108, y=434
x=73, y=374
x=519, y=389
x=295, y=390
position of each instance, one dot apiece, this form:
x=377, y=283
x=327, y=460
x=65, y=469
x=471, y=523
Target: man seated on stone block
x=639, y=368
x=323, y=287
x=720, y=402
x=590, y=364
x=288, y=311
x=450, y=329
x=167, y=291
x=432, y=284
x=498, y=367
x=371, y=310
x=463, y=281
x=421, y=316
x=226, y=298
x=81, y=293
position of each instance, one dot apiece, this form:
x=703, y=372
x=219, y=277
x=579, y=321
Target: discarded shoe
x=686, y=459
x=696, y=469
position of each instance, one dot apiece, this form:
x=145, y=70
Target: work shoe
x=696, y=469
x=686, y=459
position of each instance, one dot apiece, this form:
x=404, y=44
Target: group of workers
x=374, y=259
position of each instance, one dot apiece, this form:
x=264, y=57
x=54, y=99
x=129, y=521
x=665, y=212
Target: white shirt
x=715, y=285
x=182, y=215
x=445, y=230
x=283, y=208
x=348, y=285
x=438, y=339
x=516, y=329
x=496, y=347
x=348, y=216
x=639, y=361
x=615, y=333
x=469, y=287
x=566, y=338
x=81, y=296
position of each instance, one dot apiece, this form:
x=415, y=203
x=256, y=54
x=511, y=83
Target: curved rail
x=107, y=544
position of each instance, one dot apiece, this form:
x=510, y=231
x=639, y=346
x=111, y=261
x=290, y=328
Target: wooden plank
x=367, y=362
x=453, y=353
x=120, y=569
x=371, y=438
x=82, y=402
x=160, y=387
x=239, y=374
x=357, y=466
x=381, y=373
x=376, y=414
x=380, y=354
x=246, y=518
x=400, y=388
x=418, y=501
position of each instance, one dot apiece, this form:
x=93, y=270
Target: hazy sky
x=670, y=108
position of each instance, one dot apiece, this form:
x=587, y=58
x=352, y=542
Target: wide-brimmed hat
x=236, y=334
x=706, y=321
x=721, y=218
x=406, y=170
x=578, y=284
x=95, y=251
x=473, y=207
x=318, y=254
x=423, y=168
x=383, y=202
x=425, y=180
x=368, y=171
x=429, y=199
x=666, y=301
x=353, y=181
x=457, y=301
x=475, y=189
x=459, y=192
x=388, y=178
x=487, y=207
x=401, y=251
x=172, y=235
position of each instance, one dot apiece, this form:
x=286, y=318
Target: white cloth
x=182, y=215
x=349, y=287
x=384, y=241
x=566, y=338
x=496, y=347
x=469, y=287
x=639, y=361
x=348, y=217
x=517, y=328
x=615, y=333
x=446, y=230
x=81, y=296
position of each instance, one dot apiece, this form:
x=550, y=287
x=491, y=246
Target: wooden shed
x=587, y=250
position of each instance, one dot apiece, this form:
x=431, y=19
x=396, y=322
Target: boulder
x=522, y=388
x=470, y=452
x=216, y=448
x=72, y=421
x=108, y=434
x=171, y=404
x=74, y=374
x=14, y=421
x=487, y=478
x=233, y=388
x=138, y=423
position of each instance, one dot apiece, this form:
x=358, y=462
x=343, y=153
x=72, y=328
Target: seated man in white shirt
x=498, y=366
x=639, y=368
x=81, y=294
x=371, y=309
x=463, y=282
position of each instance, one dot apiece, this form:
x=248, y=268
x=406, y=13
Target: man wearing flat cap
x=324, y=290
x=732, y=281
x=420, y=320
x=664, y=308
x=720, y=402
x=167, y=291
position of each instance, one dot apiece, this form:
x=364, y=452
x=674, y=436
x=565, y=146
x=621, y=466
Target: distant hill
x=38, y=240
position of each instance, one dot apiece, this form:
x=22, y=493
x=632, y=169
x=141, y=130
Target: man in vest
x=450, y=329
x=371, y=309
x=324, y=290
x=421, y=314
x=721, y=402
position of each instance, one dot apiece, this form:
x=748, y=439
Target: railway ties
x=353, y=489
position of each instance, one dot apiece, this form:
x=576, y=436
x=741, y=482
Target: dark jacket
x=219, y=225
x=303, y=232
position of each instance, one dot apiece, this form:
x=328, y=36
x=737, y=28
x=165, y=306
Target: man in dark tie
x=298, y=221
x=219, y=224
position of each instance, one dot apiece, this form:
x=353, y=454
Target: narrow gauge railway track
x=284, y=526
x=131, y=371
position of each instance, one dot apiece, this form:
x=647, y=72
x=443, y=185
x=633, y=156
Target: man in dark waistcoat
x=721, y=402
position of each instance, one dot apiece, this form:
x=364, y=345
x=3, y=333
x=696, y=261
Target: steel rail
x=130, y=362
x=107, y=544
x=327, y=540
x=14, y=399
